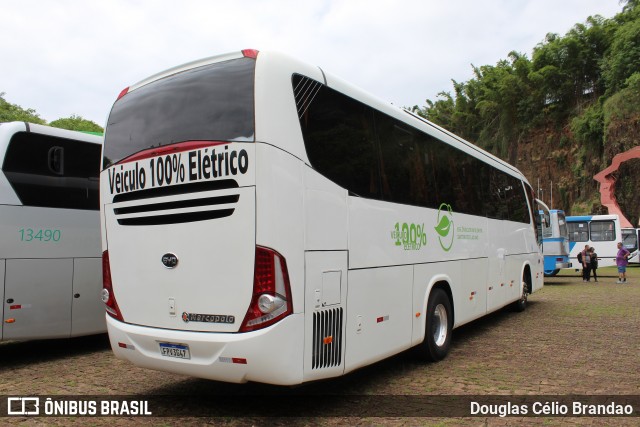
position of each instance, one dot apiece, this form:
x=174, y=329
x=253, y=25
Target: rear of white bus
x=187, y=287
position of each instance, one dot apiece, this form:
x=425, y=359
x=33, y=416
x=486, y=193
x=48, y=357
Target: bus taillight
x=250, y=53
x=108, y=297
x=123, y=92
x=271, y=299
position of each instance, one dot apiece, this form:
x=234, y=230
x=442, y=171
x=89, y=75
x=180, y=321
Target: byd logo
x=170, y=260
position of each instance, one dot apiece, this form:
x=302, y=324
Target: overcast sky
x=64, y=57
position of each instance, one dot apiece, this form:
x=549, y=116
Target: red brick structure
x=607, y=180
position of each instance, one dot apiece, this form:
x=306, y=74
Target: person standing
x=622, y=259
x=586, y=264
x=594, y=263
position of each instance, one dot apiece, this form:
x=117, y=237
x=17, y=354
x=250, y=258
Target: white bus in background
x=50, y=267
x=602, y=232
x=265, y=221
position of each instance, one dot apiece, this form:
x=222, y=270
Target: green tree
x=624, y=57
x=77, y=123
x=568, y=68
x=12, y=113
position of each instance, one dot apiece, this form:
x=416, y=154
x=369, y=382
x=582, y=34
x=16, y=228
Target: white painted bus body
x=358, y=293
x=50, y=267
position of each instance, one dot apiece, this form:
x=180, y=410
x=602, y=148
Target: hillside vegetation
x=562, y=115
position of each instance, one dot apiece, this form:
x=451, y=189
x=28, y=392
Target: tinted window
x=374, y=155
x=53, y=172
x=421, y=170
x=339, y=138
x=212, y=102
x=578, y=231
x=401, y=162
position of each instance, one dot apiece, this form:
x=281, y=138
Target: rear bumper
x=273, y=355
x=554, y=262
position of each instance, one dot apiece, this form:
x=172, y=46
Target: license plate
x=179, y=351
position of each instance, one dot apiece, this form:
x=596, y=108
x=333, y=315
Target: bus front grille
x=327, y=338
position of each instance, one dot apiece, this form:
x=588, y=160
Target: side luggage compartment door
x=325, y=313
x=87, y=316
x=37, y=299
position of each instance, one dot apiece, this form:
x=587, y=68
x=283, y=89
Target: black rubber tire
x=520, y=305
x=430, y=349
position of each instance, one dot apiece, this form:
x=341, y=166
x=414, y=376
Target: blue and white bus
x=602, y=232
x=555, y=241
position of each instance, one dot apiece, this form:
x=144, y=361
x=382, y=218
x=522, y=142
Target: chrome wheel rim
x=440, y=325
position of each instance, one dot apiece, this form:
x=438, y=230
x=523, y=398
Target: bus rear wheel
x=521, y=304
x=439, y=324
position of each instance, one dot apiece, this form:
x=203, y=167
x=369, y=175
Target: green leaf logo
x=444, y=226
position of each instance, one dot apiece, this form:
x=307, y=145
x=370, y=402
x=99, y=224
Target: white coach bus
x=50, y=265
x=266, y=221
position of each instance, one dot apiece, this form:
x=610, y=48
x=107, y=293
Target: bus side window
x=402, y=171
x=339, y=137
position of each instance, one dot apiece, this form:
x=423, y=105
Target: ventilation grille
x=161, y=213
x=305, y=91
x=327, y=338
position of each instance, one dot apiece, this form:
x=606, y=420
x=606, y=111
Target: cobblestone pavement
x=575, y=338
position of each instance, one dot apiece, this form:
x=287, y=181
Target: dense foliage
x=566, y=78
x=572, y=95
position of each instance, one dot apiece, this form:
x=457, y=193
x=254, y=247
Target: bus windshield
x=209, y=103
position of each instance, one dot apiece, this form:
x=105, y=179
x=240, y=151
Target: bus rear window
x=209, y=103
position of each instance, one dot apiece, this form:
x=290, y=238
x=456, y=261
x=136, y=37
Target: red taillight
x=123, y=93
x=271, y=299
x=108, y=297
x=250, y=53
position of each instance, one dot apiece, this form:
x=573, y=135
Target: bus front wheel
x=439, y=326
